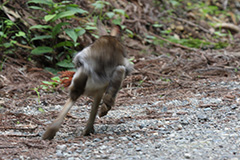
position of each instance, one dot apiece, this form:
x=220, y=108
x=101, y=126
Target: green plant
x=99, y=6
x=131, y=59
x=140, y=83
x=51, y=85
x=41, y=109
x=9, y=34
x=165, y=79
x=2, y=63
x=56, y=12
x=38, y=94
x=112, y=14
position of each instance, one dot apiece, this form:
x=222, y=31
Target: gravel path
x=197, y=127
x=192, y=128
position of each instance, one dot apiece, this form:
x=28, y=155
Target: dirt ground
x=179, y=75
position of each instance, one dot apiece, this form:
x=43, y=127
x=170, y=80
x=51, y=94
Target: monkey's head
x=116, y=31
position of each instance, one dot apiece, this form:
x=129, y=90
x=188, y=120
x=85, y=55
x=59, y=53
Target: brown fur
x=101, y=68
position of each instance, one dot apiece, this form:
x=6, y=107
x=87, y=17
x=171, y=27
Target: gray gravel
x=145, y=131
x=210, y=132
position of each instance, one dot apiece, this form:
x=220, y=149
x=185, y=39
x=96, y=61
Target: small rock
x=233, y=106
x=138, y=149
x=96, y=140
x=230, y=113
x=79, y=150
x=141, y=126
x=102, y=157
x=207, y=109
x=103, y=147
x=123, y=138
x=130, y=144
x=111, y=137
x=61, y=147
x=187, y=155
x=59, y=153
x=158, y=146
x=202, y=117
x=183, y=121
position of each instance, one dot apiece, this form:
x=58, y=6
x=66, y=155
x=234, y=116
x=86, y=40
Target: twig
x=207, y=105
x=192, y=24
x=23, y=46
x=20, y=135
x=228, y=26
x=2, y=147
x=175, y=44
x=33, y=145
x=18, y=128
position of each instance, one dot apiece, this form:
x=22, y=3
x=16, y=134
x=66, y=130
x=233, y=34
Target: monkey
x=100, y=70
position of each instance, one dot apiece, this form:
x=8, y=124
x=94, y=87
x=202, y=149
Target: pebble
x=123, y=138
x=62, y=147
x=202, y=117
x=207, y=109
x=187, y=155
x=138, y=149
x=183, y=122
x=96, y=140
x=59, y=153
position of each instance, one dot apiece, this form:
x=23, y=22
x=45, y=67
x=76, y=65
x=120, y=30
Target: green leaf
x=47, y=2
x=65, y=64
x=48, y=82
x=90, y=26
x=110, y=14
x=130, y=33
x=41, y=109
x=41, y=50
x=71, y=33
x=41, y=37
x=7, y=45
x=64, y=43
x=41, y=27
x=119, y=11
x=77, y=10
x=117, y=21
x=98, y=6
x=157, y=25
x=52, y=70
x=20, y=34
x=80, y=31
x=63, y=15
x=56, y=78
x=57, y=28
x=49, y=17
x=36, y=7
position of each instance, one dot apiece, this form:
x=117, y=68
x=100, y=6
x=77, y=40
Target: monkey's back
x=100, y=59
x=103, y=55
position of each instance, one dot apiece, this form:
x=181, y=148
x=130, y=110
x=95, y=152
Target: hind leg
x=76, y=89
x=112, y=90
x=94, y=109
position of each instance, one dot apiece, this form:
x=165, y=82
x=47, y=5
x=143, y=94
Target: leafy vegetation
x=55, y=39
x=50, y=86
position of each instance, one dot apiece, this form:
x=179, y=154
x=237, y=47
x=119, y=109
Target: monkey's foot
x=103, y=110
x=49, y=134
x=51, y=131
x=88, y=131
